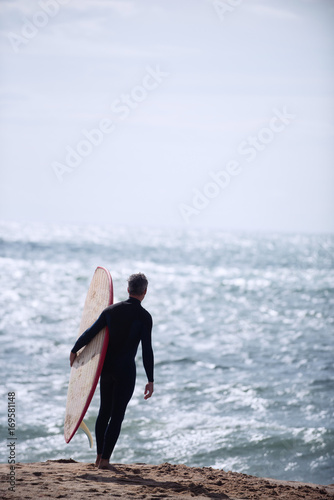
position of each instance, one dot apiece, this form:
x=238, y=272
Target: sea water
x=243, y=342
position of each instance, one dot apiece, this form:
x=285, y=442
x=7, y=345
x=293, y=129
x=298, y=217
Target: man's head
x=137, y=285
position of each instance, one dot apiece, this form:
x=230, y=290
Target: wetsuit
x=128, y=324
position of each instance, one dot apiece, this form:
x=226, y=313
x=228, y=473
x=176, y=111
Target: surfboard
x=87, y=366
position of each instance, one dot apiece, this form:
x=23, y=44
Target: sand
x=74, y=480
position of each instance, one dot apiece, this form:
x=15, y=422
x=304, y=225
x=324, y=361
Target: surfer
x=128, y=324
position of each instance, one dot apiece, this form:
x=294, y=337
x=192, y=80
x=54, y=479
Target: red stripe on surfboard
x=102, y=357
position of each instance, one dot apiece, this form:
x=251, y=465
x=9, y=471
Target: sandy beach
x=66, y=478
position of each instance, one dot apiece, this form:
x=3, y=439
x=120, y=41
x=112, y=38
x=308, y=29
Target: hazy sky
x=168, y=112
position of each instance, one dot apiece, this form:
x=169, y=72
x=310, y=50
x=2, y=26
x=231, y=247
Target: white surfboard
x=87, y=367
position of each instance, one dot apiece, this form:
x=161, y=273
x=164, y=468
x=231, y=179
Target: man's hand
x=148, y=390
x=73, y=355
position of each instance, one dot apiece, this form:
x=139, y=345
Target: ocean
x=242, y=336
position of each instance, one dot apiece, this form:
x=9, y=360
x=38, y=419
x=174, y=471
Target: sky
x=192, y=113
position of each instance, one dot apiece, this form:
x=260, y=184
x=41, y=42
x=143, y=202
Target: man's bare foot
x=104, y=464
x=97, y=461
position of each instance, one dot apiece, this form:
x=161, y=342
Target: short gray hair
x=137, y=284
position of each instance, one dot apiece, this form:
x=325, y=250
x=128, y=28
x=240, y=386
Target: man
x=128, y=324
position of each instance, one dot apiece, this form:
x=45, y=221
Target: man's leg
x=106, y=391
x=122, y=393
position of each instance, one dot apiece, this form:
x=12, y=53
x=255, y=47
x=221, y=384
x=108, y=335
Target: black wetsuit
x=128, y=324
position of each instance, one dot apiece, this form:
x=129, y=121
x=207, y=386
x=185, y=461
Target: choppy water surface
x=243, y=340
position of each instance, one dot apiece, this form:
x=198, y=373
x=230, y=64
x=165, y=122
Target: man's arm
x=148, y=357
x=87, y=336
